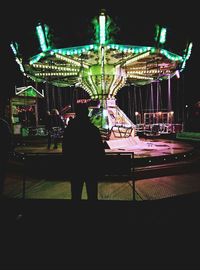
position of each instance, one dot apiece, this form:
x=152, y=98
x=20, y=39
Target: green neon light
x=41, y=37
x=31, y=93
x=163, y=33
x=48, y=36
x=102, y=22
x=110, y=30
x=36, y=58
x=105, y=29
x=157, y=32
x=189, y=50
x=65, y=51
x=129, y=48
x=14, y=47
x=96, y=27
x=75, y=50
x=153, y=50
x=20, y=64
x=171, y=56
x=187, y=54
x=160, y=34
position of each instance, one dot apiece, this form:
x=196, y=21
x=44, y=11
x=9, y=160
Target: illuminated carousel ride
x=102, y=69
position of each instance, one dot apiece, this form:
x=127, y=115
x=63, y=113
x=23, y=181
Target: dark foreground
x=51, y=234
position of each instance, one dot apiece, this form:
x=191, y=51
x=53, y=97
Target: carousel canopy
x=102, y=68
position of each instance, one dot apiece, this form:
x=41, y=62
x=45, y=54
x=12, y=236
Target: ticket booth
x=24, y=110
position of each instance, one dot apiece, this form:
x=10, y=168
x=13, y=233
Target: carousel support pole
x=169, y=94
x=152, y=98
x=53, y=98
x=135, y=100
x=36, y=113
x=157, y=97
x=141, y=107
x=36, y=106
x=47, y=96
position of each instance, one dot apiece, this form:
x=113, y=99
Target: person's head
x=55, y=112
x=81, y=110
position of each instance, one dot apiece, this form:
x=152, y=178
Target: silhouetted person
x=83, y=153
x=55, y=128
x=196, y=117
x=5, y=148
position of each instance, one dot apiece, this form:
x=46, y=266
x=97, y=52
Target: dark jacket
x=56, y=121
x=6, y=143
x=83, y=149
x=48, y=122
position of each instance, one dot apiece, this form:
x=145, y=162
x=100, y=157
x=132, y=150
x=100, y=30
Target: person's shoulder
x=74, y=121
x=93, y=125
x=73, y=124
x=94, y=128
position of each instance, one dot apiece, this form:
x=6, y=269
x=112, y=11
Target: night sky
x=71, y=25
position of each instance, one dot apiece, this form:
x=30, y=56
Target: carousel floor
x=145, y=148
x=170, y=175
